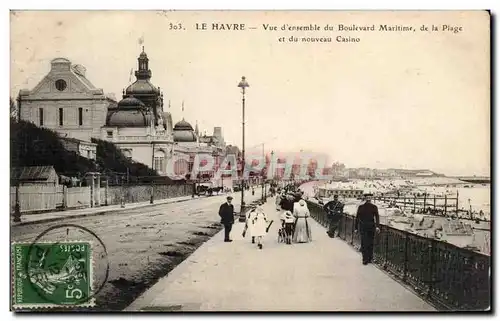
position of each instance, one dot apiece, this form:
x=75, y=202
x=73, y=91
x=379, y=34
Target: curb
x=53, y=219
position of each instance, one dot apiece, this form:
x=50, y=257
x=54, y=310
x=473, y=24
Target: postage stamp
x=52, y=274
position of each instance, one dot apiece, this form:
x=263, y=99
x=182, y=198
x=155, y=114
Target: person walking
x=302, y=230
x=334, y=210
x=226, y=213
x=367, y=221
x=288, y=219
x=259, y=225
x=248, y=229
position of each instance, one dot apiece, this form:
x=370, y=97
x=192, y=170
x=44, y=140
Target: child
x=287, y=220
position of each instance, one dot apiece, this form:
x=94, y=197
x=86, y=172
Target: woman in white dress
x=248, y=230
x=259, y=225
x=302, y=233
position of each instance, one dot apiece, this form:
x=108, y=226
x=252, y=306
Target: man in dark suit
x=226, y=213
x=367, y=221
x=334, y=211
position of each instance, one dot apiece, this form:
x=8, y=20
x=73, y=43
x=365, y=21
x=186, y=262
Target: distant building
x=65, y=101
x=82, y=148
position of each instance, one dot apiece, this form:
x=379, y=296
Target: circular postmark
x=65, y=265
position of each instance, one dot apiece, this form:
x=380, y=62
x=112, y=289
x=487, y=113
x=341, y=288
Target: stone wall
x=142, y=193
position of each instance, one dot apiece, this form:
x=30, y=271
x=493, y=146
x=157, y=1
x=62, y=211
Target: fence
x=49, y=198
x=34, y=198
x=450, y=277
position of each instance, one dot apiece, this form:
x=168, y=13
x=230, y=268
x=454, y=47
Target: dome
x=183, y=132
x=183, y=125
x=141, y=87
x=130, y=101
x=127, y=118
x=184, y=136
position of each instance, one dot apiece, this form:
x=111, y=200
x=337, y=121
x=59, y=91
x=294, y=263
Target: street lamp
x=243, y=84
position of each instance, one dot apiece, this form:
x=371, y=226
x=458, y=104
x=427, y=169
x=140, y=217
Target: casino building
x=67, y=102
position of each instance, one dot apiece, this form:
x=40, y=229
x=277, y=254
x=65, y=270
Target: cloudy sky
x=395, y=99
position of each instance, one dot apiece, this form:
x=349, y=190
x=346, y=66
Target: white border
x=179, y=4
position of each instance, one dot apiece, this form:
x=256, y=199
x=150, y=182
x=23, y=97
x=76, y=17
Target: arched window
x=159, y=164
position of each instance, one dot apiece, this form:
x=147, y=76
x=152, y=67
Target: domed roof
x=141, y=86
x=184, y=136
x=183, y=132
x=130, y=101
x=183, y=125
x=127, y=118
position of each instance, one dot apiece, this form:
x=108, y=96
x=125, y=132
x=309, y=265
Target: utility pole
x=151, y=200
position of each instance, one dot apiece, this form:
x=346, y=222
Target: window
x=61, y=116
x=110, y=133
x=80, y=116
x=159, y=161
x=60, y=85
x=41, y=116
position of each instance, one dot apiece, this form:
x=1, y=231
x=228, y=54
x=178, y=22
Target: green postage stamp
x=56, y=274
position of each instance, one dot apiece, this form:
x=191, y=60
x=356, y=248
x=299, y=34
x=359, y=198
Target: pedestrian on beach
x=367, y=221
x=259, y=225
x=226, y=213
x=334, y=210
x=302, y=229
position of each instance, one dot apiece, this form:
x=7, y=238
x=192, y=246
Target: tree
x=13, y=109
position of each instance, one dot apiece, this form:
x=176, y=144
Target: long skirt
x=302, y=233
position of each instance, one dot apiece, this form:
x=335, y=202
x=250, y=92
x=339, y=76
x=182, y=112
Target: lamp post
x=243, y=84
x=151, y=200
x=272, y=168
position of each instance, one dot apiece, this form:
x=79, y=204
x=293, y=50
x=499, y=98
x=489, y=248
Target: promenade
x=324, y=275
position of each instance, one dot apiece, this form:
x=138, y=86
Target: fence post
x=106, y=192
x=414, y=203
x=345, y=226
x=405, y=266
x=434, y=202
x=425, y=199
x=431, y=267
x=65, y=196
x=92, y=192
x=354, y=227
x=404, y=203
x=445, y=205
x=456, y=205
x=386, y=248
x=17, y=206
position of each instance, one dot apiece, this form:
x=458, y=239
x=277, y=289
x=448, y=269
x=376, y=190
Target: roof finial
x=142, y=48
x=183, y=106
x=169, y=104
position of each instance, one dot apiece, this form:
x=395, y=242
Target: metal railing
x=449, y=277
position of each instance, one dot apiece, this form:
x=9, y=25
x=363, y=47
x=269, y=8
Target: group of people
x=295, y=221
x=366, y=222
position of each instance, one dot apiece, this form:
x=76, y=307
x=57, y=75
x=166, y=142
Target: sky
x=393, y=100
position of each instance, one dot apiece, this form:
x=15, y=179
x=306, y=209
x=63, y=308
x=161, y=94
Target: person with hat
x=367, y=221
x=226, y=213
x=260, y=225
x=334, y=210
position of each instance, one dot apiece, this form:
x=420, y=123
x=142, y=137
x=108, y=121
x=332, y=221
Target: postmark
x=65, y=266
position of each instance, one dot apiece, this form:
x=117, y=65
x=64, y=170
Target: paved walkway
x=324, y=275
